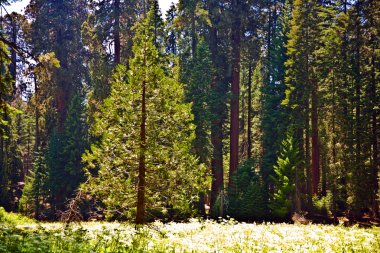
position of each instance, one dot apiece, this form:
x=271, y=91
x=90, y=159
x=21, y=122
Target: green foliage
x=313, y=67
x=323, y=205
x=36, y=188
x=247, y=201
x=174, y=177
x=274, y=117
x=76, y=142
x=199, y=92
x=63, y=156
x=288, y=160
x=156, y=25
x=5, y=88
x=13, y=218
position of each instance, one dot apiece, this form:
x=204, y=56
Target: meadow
x=18, y=234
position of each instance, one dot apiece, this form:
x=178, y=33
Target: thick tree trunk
x=300, y=168
x=375, y=150
x=235, y=92
x=140, y=217
x=217, y=184
x=307, y=125
x=249, y=130
x=307, y=159
x=13, y=66
x=358, y=134
x=217, y=111
x=334, y=142
x=117, y=32
x=193, y=35
x=37, y=116
x=315, y=140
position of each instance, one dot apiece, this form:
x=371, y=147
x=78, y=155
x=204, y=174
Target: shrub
x=12, y=218
x=247, y=201
x=323, y=205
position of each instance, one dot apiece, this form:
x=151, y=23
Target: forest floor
x=195, y=236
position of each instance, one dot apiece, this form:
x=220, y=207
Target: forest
x=256, y=110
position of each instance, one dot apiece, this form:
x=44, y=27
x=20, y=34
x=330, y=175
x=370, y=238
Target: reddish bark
x=249, y=131
x=140, y=216
x=216, y=109
x=235, y=91
x=315, y=155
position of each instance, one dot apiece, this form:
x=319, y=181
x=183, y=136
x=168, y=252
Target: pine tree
x=286, y=179
x=302, y=88
x=10, y=158
x=247, y=202
x=235, y=89
x=35, y=189
x=170, y=31
x=148, y=139
x=112, y=21
x=76, y=142
x=217, y=32
x=200, y=94
x=275, y=116
x=56, y=27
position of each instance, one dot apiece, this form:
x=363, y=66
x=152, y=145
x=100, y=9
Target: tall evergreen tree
x=286, y=177
x=302, y=88
x=235, y=89
x=143, y=162
x=274, y=115
x=56, y=27
x=218, y=108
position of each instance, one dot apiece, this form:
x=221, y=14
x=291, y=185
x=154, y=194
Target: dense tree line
x=251, y=109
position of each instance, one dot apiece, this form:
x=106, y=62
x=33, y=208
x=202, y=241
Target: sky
x=19, y=6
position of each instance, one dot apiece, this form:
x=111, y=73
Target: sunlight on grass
x=195, y=236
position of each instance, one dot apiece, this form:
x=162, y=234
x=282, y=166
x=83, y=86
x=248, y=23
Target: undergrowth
x=194, y=236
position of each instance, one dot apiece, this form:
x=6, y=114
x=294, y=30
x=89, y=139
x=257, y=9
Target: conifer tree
x=275, y=116
x=170, y=31
x=35, y=189
x=302, y=89
x=200, y=94
x=142, y=162
x=218, y=108
x=10, y=157
x=286, y=179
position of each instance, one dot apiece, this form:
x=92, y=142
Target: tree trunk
x=375, y=151
x=334, y=142
x=315, y=139
x=307, y=125
x=358, y=135
x=117, y=32
x=13, y=65
x=193, y=35
x=249, y=130
x=235, y=91
x=216, y=109
x=307, y=158
x=37, y=117
x=142, y=169
x=216, y=160
x=299, y=168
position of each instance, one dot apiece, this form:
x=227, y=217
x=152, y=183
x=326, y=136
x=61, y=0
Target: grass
x=194, y=236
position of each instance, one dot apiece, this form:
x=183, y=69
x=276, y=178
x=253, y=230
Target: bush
x=323, y=205
x=12, y=218
x=247, y=200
